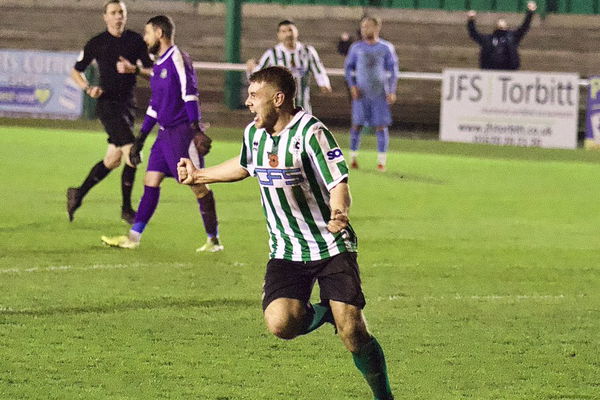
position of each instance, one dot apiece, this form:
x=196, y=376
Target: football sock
x=97, y=173
x=383, y=140
x=127, y=179
x=209, y=214
x=354, y=138
x=146, y=208
x=317, y=315
x=370, y=361
x=381, y=158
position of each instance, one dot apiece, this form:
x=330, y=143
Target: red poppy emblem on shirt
x=273, y=160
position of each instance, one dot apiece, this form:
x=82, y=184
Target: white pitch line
x=533, y=297
x=64, y=268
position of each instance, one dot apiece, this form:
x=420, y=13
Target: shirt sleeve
x=246, y=160
x=391, y=66
x=266, y=60
x=188, y=84
x=317, y=68
x=350, y=66
x=326, y=156
x=86, y=57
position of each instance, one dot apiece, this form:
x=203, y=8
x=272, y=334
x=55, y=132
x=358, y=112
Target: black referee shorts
x=338, y=277
x=117, y=116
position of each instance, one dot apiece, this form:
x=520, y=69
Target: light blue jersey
x=373, y=68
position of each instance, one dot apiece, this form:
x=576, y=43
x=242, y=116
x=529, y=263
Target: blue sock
x=383, y=140
x=354, y=138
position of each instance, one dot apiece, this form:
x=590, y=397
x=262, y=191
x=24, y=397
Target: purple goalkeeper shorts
x=371, y=111
x=172, y=144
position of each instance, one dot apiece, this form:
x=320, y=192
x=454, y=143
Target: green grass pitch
x=480, y=264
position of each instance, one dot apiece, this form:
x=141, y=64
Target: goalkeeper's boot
x=212, y=245
x=128, y=215
x=123, y=242
x=354, y=164
x=73, y=202
x=381, y=167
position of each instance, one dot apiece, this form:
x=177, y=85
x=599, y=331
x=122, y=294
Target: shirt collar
x=166, y=55
x=299, y=114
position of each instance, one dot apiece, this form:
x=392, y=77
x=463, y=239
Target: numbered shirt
x=295, y=171
x=301, y=61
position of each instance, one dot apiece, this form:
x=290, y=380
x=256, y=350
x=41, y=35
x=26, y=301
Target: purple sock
x=354, y=138
x=383, y=140
x=209, y=214
x=146, y=208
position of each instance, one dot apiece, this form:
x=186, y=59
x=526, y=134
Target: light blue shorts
x=371, y=111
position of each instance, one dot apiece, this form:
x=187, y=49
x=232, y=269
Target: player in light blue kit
x=174, y=106
x=371, y=70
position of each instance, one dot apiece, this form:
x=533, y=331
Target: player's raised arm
x=228, y=171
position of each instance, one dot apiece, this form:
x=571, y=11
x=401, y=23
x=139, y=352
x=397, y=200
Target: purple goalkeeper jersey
x=174, y=87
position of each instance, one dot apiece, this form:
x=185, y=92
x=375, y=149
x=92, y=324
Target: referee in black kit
x=117, y=52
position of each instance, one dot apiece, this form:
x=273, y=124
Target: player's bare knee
x=282, y=326
x=112, y=163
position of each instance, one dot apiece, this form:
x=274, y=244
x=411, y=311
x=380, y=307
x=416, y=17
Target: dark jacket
x=500, y=50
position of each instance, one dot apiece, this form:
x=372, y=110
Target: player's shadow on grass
x=406, y=177
x=133, y=305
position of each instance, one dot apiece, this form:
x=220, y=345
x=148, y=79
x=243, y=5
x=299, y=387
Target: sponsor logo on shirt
x=163, y=73
x=279, y=177
x=334, y=154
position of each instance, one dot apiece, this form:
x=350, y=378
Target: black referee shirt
x=106, y=49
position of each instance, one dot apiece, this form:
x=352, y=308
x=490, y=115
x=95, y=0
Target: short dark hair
x=279, y=77
x=376, y=20
x=285, y=22
x=165, y=23
x=109, y=2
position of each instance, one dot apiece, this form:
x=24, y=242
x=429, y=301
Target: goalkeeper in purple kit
x=371, y=70
x=174, y=106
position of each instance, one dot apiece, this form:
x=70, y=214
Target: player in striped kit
x=303, y=180
x=300, y=59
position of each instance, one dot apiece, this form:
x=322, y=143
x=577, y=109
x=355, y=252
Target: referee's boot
x=73, y=202
x=128, y=215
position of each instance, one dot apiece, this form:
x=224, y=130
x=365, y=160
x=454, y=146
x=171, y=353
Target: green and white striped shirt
x=301, y=61
x=295, y=171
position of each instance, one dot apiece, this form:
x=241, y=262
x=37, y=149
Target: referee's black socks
x=127, y=179
x=97, y=173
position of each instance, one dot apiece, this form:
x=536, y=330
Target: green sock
x=318, y=314
x=370, y=361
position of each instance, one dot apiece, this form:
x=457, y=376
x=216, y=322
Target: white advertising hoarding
x=510, y=108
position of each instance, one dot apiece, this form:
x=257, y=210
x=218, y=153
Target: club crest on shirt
x=296, y=145
x=273, y=160
x=163, y=73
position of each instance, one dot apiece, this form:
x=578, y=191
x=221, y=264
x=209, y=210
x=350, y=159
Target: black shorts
x=118, y=118
x=338, y=277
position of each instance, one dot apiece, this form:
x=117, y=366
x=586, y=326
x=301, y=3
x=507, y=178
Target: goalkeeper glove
x=201, y=141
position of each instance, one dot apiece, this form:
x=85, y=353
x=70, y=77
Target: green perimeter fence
x=544, y=6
